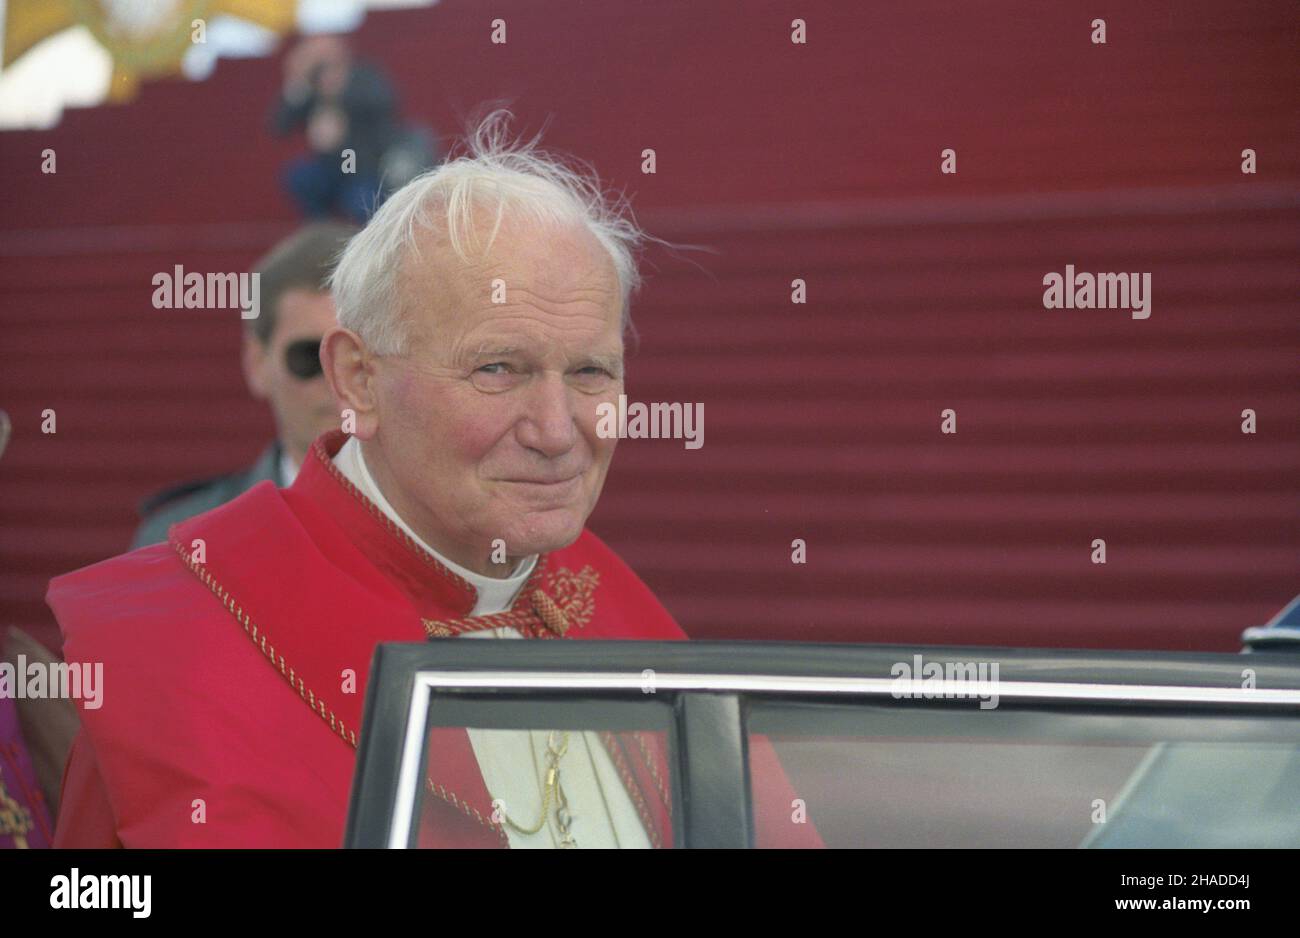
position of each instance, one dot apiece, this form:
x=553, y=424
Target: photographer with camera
x=342, y=105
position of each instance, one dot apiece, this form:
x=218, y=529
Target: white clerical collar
x=288, y=469
x=494, y=594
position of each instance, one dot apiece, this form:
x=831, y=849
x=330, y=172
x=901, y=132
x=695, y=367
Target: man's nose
x=548, y=424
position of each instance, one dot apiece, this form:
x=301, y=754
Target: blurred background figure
x=343, y=105
x=281, y=359
x=24, y=805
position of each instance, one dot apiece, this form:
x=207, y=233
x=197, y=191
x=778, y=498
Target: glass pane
x=873, y=776
x=546, y=775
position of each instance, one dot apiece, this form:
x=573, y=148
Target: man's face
x=486, y=425
x=303, y=407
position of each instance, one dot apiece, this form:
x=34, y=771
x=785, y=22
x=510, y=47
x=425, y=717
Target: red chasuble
x=223, y=720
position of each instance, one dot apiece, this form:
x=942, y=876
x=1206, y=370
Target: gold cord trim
x=450, y=798
x=534, y=605
x=550, y=614
x=615, y=749
x=318, y=448
x=317, y=705
x=654, y=772
x=520, y=616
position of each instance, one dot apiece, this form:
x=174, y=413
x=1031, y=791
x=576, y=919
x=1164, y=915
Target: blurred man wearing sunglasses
x=281, y=359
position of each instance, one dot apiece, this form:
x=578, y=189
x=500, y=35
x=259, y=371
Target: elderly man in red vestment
x=481, y=320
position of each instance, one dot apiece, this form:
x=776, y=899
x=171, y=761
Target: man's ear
x=349, y=369
x=254, y=357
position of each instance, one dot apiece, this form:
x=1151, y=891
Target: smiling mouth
x=543, y=483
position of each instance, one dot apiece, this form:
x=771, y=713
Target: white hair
x=511, y=177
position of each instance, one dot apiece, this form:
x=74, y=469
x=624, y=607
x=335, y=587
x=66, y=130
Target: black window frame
x=706, y=690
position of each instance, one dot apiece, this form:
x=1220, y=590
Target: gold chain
x=552, y=790
x=537, y=776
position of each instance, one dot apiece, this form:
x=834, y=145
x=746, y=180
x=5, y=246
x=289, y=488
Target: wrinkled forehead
x=556, y=272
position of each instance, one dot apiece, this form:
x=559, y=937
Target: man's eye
x=593, y=376
x=592, y=379
x=495, y=376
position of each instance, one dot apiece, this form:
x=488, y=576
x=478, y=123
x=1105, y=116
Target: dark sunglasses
x=302, y=358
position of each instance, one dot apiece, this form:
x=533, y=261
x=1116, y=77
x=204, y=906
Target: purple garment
x=24, y=820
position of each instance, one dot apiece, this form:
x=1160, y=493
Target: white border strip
x=409, y=774
x=426, y=681
x=1271, y=633
x=597, y=680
